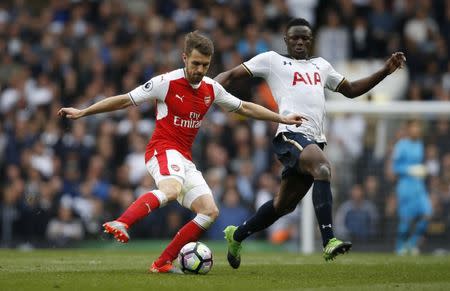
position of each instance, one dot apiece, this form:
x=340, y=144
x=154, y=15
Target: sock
x=263, y=218
x=323, y=201
x=140, y=208
x=190, y=232
x=421, y=227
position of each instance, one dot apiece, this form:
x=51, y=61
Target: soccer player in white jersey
x=297, y=82
x=182, y=98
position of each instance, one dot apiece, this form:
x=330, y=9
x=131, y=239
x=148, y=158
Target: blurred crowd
x=60, y=180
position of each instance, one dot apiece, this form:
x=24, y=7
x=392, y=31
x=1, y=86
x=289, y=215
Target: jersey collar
x=299, y=60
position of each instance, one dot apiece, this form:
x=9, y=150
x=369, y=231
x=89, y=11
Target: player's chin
x=197, y=78
x=300, y=53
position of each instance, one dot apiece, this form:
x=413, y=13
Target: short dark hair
x=196, y=41
x=298, y=22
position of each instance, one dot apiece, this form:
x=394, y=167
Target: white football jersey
x=298, y=87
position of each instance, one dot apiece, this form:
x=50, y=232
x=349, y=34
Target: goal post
x=387, y=115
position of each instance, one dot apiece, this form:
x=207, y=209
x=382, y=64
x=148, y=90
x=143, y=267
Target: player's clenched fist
x=70, y=112
x=396, y=60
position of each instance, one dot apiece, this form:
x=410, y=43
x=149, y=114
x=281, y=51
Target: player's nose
x=201, y=70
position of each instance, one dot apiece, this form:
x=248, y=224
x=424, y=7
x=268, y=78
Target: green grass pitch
x=125, y=269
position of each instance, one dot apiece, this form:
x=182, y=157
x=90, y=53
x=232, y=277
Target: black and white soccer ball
x=195, y=258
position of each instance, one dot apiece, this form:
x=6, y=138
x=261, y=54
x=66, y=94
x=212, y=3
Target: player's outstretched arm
x=105, y=105
x=229, y=76
x=359, y=87
x=256, y=111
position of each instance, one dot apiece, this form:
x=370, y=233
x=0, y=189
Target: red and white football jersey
x=181, y=107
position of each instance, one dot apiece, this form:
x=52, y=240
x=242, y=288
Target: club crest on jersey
x=207, y=100
x=148, y=86
x=175, y=168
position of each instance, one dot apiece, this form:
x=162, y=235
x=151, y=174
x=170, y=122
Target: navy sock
x=263, y=218
x=323, y=201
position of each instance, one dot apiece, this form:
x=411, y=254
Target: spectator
x=432, y=162
x=252, y=44
x=421, y=30
x=12, y=215
x=65, y=228
x=381, y=23
x=333, y=40
x=360, y=38
x=357, y=218
x=137, y=169
x=231, y=212
x=184, y=16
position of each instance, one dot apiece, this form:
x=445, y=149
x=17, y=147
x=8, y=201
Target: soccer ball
x=195, y=258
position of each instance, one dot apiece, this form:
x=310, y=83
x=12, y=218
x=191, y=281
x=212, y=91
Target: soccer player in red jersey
x=182, y=97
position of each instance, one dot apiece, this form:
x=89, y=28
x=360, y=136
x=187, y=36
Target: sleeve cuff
x=339, y=85
x=132, y=100
x=237, y=108
x=247, y=69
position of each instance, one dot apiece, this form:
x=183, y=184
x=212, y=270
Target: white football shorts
x=172, y=164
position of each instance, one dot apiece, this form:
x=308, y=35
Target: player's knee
x=212, y=212
x=323, y=171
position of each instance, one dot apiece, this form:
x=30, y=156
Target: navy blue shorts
x=288, y=147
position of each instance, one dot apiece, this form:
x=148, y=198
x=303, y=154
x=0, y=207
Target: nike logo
x=326, y=225
x=148, y=206
x=179, y=97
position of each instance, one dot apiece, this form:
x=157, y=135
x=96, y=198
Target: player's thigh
x=195, y=187
x=406, y=207
x=406, y=197
x=424, y=206
x=292, y=189
x=168, y=170
x=311, y=158
x=170, y=186
x=298, y=152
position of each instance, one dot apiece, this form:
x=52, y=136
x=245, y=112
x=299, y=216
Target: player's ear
x=184, y=56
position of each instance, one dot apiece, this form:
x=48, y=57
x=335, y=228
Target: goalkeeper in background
x=413, y=203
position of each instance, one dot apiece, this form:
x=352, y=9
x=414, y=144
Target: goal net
x=361, y=136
